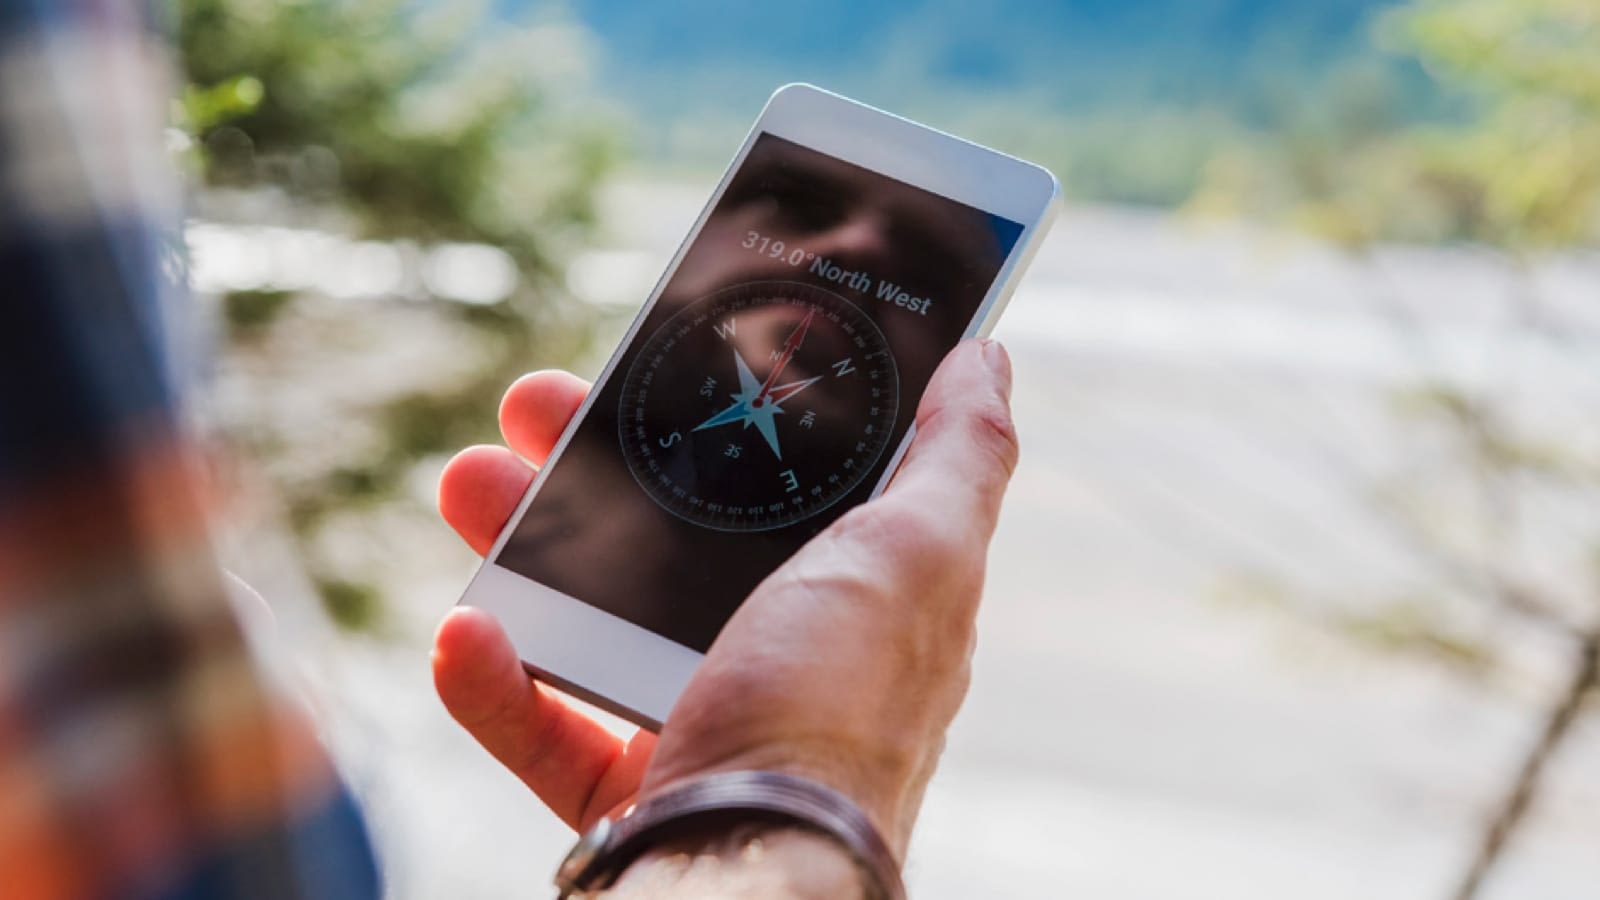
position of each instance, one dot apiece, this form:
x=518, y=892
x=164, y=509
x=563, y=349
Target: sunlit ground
x=1199, y=409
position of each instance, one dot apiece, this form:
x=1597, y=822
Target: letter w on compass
x=760, y=403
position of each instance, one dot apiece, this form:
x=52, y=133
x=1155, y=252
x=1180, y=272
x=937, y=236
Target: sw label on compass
x=758, y=406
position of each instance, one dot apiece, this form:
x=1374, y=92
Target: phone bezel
x=631, y=671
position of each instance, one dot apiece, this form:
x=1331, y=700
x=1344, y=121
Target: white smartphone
x=767, y=386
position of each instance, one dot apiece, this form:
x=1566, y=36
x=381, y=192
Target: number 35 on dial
x=758, y=406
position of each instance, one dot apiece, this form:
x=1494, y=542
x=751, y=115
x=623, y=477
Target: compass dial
x=758, y=406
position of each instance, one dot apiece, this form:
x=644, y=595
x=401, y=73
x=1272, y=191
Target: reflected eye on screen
x=805, y=205
x=900, y=232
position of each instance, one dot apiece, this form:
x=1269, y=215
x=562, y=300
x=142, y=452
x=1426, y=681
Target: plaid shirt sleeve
x=141, y=755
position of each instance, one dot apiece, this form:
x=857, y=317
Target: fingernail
x=999, y=361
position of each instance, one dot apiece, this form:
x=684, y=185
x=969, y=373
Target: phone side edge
x=995, y=302
x=593, y=698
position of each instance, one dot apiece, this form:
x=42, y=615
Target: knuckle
x=906, y=540
x=865, y=521
x=986, y=424
x=542, y=736
x=476, y=716
x=920, y=561
x=993, y=429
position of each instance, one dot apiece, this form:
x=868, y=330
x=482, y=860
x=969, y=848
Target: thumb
x=965, y=447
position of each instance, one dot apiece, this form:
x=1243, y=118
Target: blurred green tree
x=1518, y=167
x=1516, y=170
x=385, y=121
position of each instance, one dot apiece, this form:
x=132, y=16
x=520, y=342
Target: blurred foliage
x=1418, y=626
x=353, y=605
x=1415, y=626
x=1528, y=174
x=250, y=313
x=1517, y=171
x=1138, y=157
x=204, y=108
x=425, y=130
x=1519, y=168
x=388, y=121
x=1482, y=434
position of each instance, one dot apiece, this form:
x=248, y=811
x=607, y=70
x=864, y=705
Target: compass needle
x=748, y=388
x=769, y=430
x=784, y=391
x=797, y=338
x=732, y=414
x=836, y=425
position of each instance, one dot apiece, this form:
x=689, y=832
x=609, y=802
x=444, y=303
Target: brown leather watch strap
x=609, y=847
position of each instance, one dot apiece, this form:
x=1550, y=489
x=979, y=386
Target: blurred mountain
x=1079, y=50
x=992, y=69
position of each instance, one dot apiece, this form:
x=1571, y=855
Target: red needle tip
x=789, y=347
x=799, y=335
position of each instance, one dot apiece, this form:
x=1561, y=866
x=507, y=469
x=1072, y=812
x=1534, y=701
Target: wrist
x=874, y=790
x=744, y=861
x=715, y=816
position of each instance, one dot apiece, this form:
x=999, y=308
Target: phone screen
x=765, y=393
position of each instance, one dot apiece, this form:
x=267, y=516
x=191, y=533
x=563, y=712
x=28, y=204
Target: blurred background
x=1297, y=591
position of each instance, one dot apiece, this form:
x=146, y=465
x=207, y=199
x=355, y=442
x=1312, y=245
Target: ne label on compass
x=758, y=406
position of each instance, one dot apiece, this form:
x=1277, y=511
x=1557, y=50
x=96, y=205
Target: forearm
x=765, y=863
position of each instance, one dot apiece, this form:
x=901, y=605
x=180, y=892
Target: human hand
x=846, y=665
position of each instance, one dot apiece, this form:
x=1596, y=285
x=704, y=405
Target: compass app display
x=765, y=392
x=833, y=366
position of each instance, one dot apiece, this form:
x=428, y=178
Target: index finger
x=572, y=762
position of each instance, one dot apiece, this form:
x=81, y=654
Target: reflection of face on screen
x=765, y=392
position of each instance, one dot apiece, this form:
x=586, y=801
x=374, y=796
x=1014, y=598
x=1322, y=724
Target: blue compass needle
x=748, y=388
x=764, y=417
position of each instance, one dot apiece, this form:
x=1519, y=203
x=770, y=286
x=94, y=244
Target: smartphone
x=768, y=385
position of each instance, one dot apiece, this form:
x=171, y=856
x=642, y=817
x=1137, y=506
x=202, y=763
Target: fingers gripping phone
x=767, y=386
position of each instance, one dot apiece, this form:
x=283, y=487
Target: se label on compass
x=758, y=406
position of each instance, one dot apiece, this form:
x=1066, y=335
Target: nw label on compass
x=758, y=406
